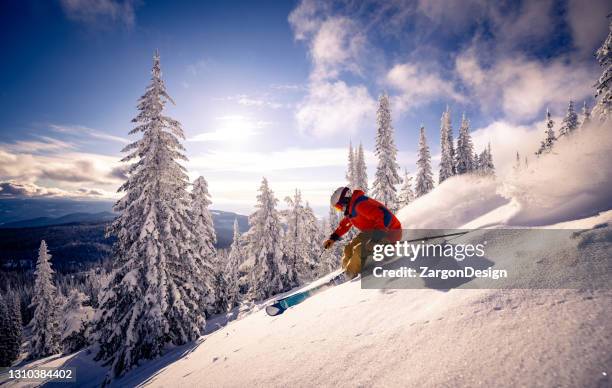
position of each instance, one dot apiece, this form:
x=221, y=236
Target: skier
x=375, y=222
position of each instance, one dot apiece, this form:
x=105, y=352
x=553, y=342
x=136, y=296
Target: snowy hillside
x=403, y=338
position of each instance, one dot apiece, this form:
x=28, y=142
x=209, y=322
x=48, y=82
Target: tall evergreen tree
x=570, y=121
x=312, y=240
x=424, y=180
x=330, y=259
x=406, y=194
x=547, y=144
x=235, y=258
x=447, y=151
x=476, y=159
x=387, y=175
x=586, y=116
x=298, y=239
x=350, y=169
x=10, y=328
x=156, y=294
x=270, y=273
x=204, y=245
x=361, y=171
x=485, y=162
x=465, y=150
x=45, y=327
x=603, y=86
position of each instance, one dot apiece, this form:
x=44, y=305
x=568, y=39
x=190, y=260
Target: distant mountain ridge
x=67, y=219
x=77, y=239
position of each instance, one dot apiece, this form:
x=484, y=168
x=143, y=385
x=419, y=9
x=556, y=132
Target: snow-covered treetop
x=387, y=175
x=361, y=174
x=43, y=267
x=603, y=89
x=350, y=170
x=424, y=180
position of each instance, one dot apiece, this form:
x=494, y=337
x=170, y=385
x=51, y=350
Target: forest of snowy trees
x=167, y=278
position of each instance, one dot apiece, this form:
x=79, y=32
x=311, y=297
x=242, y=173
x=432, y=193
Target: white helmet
x=340, y=197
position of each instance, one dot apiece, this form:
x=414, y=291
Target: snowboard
x=280, y=305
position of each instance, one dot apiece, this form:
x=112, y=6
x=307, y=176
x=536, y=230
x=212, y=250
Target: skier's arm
x=342, y=228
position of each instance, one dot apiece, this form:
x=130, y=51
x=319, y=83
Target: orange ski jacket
x=367, y=214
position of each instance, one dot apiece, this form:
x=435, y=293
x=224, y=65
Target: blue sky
x=278, y=88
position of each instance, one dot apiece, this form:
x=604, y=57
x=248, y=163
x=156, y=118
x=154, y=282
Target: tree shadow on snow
x=91, y=373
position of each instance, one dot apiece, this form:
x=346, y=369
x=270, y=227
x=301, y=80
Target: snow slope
x=348, y=336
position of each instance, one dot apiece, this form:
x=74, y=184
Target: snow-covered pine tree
x=330, y=259
x=15, y=333
x=447, y=151
x=6, y=355
x=603, y=86
x=586, y=116
x=45, y=327
x=406, y=194
x=10, y=328
x=486, y=161
x=204, y=240
x=476, y=159
x=313, y=238
x=361, y=171
x=76, y=318
x=465, y=150
x=298, y=249
x=270, y=273
x=547, y=144
x=155, y=296
x=350, y=169
x=234, y=260
x=570, y=121
x=424, y=180
x=387, y=176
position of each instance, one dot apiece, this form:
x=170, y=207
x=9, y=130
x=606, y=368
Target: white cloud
x=532, y=22
x=83, y=130
x=97, y=12
x=521, y=87
x=454, y=14
x=15, y=189
x=335, y=107
x=289, y=87
x=264, y=162
x=232, y=128
x=198, y=67
x=419, y=86
x=506, y=140
x=337, y=46
x=58, y=166
x=46, y=144
x=306, y=18
x=259, y=102
x=588, y=23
